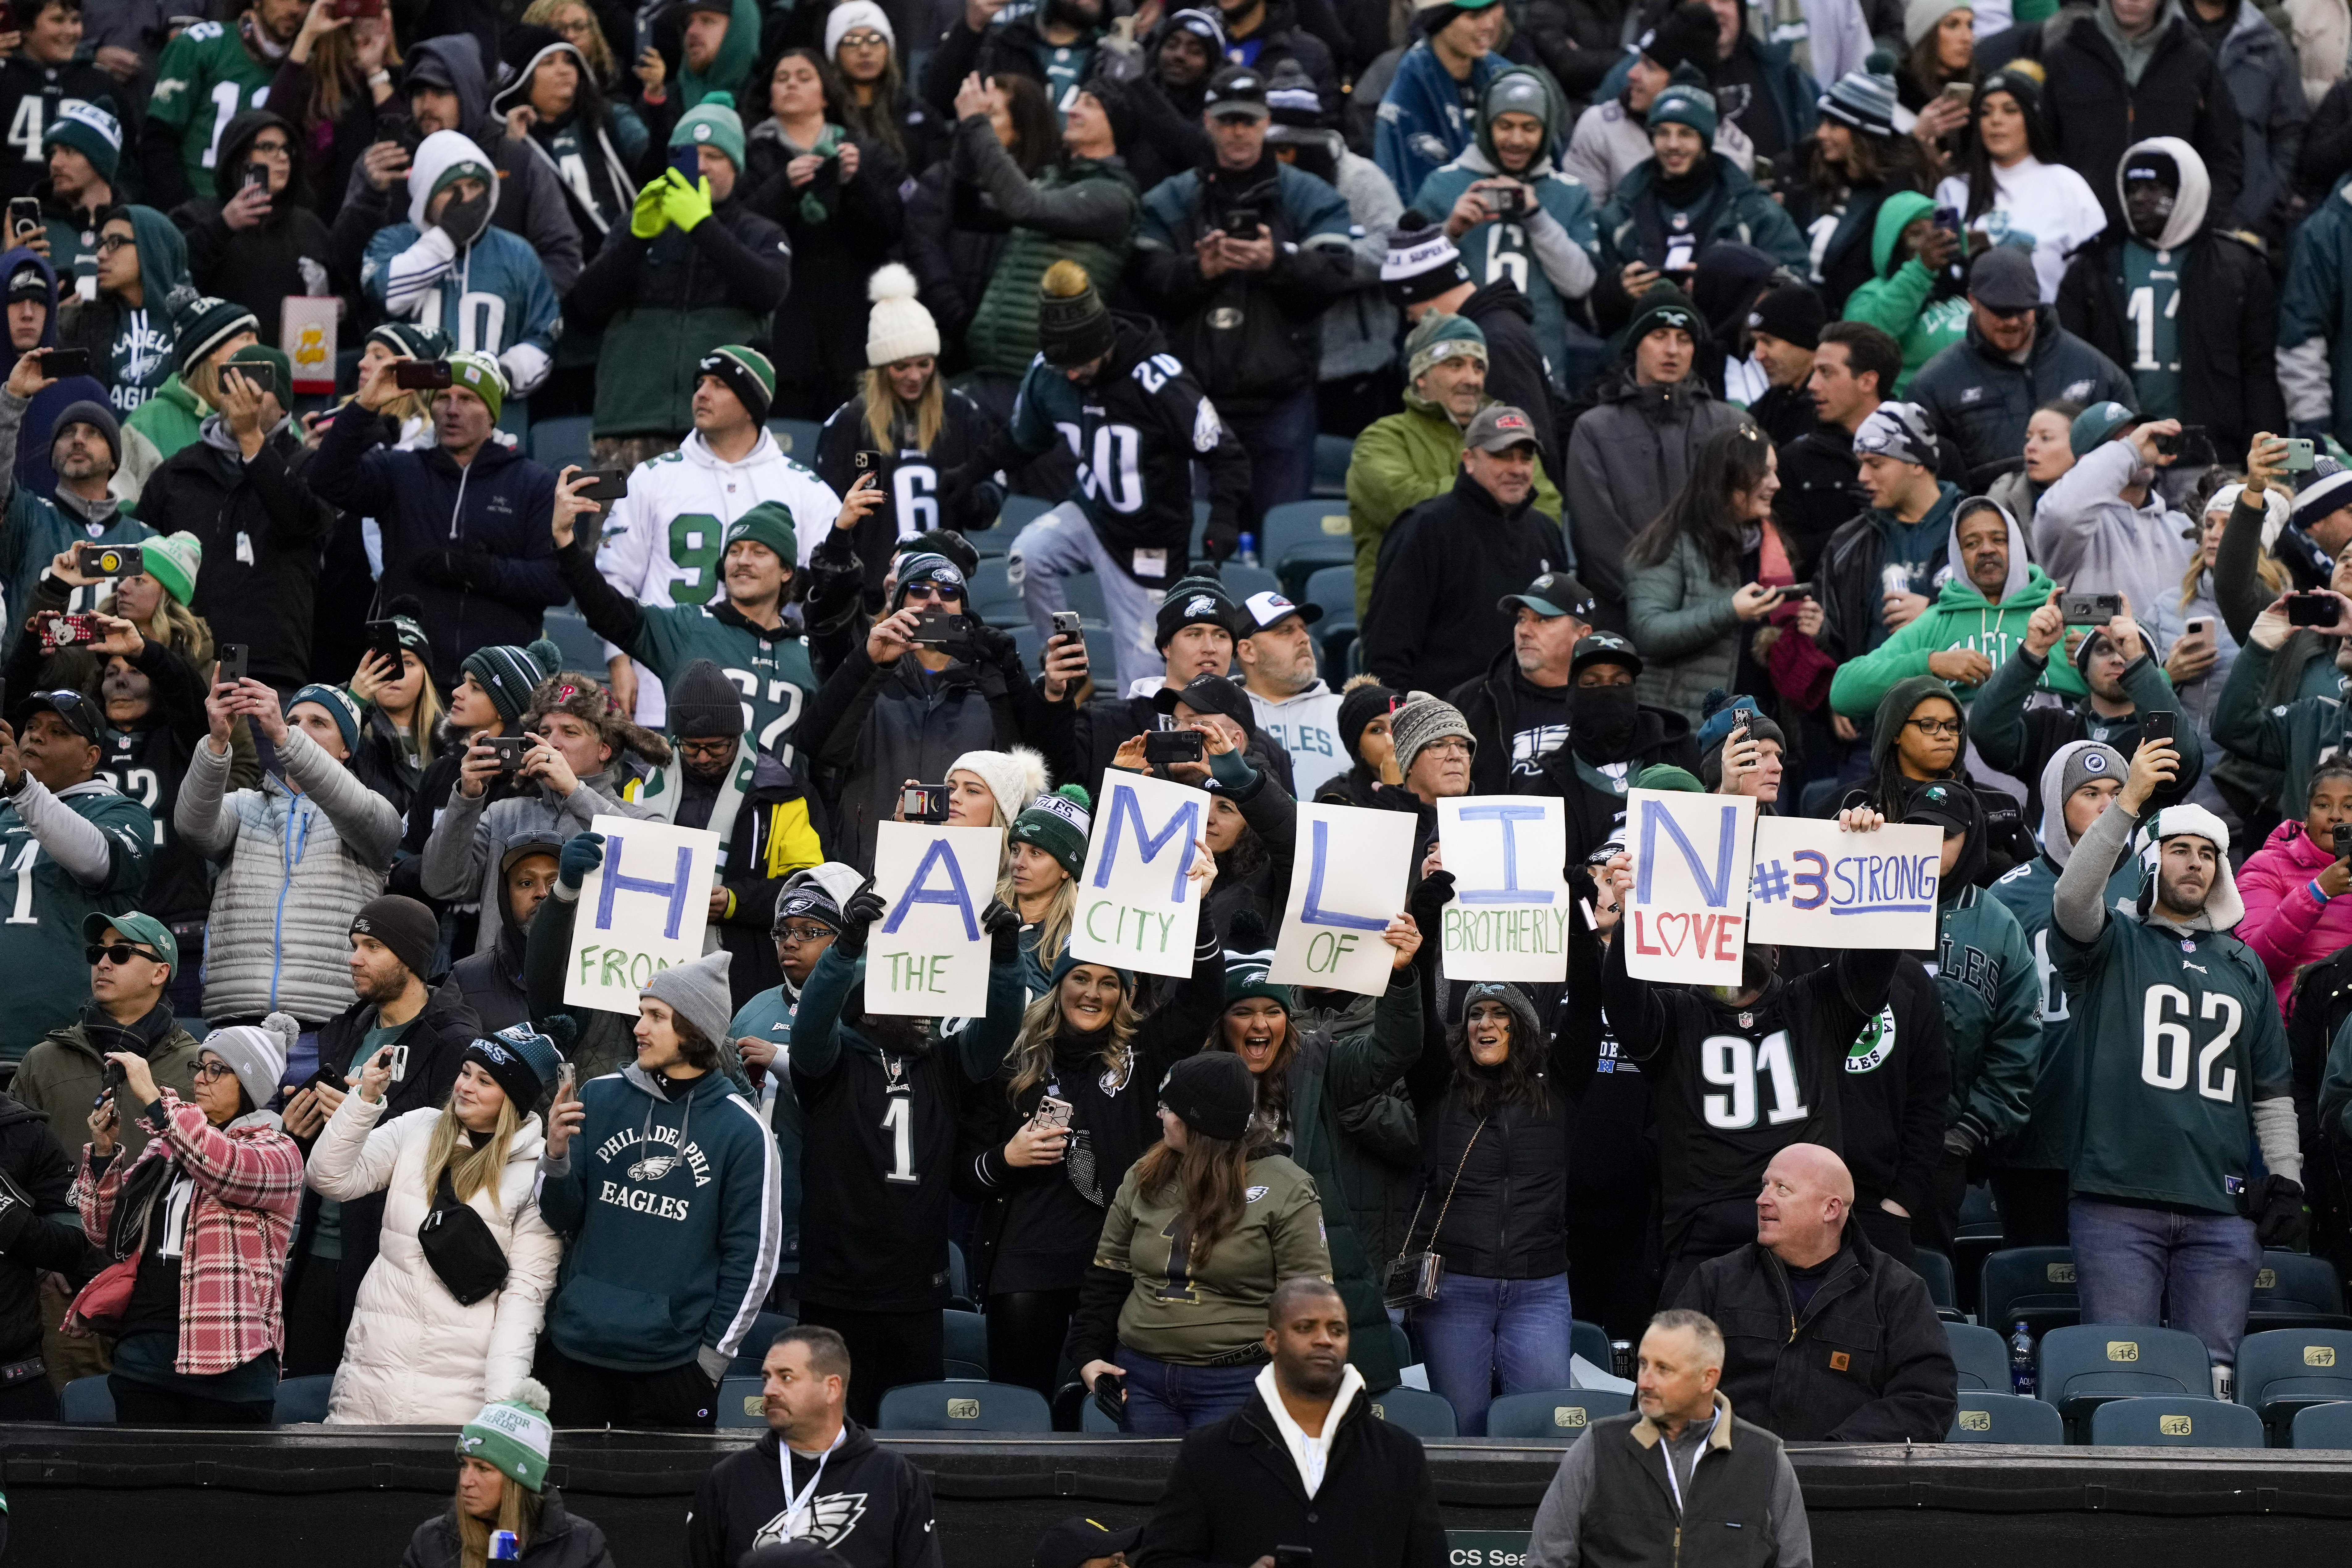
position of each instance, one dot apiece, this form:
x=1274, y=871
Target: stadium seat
x=1985, y=1418
x=1333, y=588
x=798, y=438
x=1981, y=1355
x=1978, y=1237
x=2281, y=1371
x=1400, y=1342
x=1332, y=455
x=1300, y=538
x=2295, y=1291
x=87, y=1401
x=302, y=1401
x=580, y=648
x=1554, y=1415
x=993, y=598
x=556, y=442
x=1417, y=1410
x=766, y=1327
x=1019, y=511
x=1200, y=530
x=2315, y=1425
x=959, y=1279
x=1241, y=582
x=2174, y=1424
x=1591, y=1340
x=1935, y=1271
x=964, y=1408
x=2035, y=1284
x=2087, y=1364
x=966, y=1338
x=740, y=1406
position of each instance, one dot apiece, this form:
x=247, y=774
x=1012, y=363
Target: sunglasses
x=932, y=593
x=119, y=954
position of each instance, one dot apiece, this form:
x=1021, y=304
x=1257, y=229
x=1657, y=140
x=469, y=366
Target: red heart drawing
x=1674, y=943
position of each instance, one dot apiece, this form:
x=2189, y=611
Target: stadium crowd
x=1912, y=412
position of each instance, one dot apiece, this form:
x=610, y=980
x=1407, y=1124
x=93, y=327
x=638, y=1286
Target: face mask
x=1604, y=718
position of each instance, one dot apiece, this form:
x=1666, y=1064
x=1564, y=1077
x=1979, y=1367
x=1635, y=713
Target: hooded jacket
x=1864, y=1361
x=677, y=1191
x=2092, y=540
x=133, y=347
x=2228, y=328
x=37, y=528
x=1429, y=626
x=34, y=436
x=1991, y=1001
x=871, y=1506
x=1961, y=617
x=1906, y=302
x=1633, y=225
x=1422, y=123
x=426, y=506
x=1627, y=458
x=461, y=858
x=1980, y=398
x=286, y=253
x=531, y=197
x=2287, y=925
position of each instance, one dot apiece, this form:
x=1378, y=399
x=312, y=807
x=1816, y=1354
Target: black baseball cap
x=1604, y=648
x=1210, y=694
x=1237, y=91
x=1553, y=594
x=1077, y=1541
x=79, y=713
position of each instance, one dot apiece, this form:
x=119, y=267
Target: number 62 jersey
x=2179, y=1036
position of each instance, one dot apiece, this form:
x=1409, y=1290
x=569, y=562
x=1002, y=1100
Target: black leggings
x=1026, y=1331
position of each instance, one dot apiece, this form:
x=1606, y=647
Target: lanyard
x=796, y=1505
x=1665, y=1452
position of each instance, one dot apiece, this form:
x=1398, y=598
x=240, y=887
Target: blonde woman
x=1045, y=852
x=439, y=1326
x=400, y=711
x=502, y=1456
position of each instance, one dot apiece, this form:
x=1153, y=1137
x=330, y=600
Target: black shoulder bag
x=459, y=1244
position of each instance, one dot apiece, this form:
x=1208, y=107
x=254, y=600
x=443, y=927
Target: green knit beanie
x=715, y=122
x=480, y=374
x=512, y=1434
x=1246, y=976
x=1666, y=776
x=771, y=524
x=1058, y=823
x=173, y=560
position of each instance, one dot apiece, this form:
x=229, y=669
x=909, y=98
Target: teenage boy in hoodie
x=1516, y=216
x=664, y=1184
x=2117, y=663
x=2210, y=356
x=205, y=66
x=880, y=1098
x=1978, y=618
x=127, y=327
x=1882, y=567
x=37, y=528
x=2184, y=1074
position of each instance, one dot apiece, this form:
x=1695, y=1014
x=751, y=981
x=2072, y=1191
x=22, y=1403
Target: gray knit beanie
x=1421, y=722
x=697, y=993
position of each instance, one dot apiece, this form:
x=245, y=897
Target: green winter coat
x=1992, y=992
x=1401, y=461
x=1690, y=635
x=1003, y=337
x=1900, y=301
x=63, y=1074
x=2290, y=737
x=171, y=419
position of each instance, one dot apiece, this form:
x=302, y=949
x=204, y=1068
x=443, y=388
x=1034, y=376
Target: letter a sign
x=1687, y=917
x=641, y=912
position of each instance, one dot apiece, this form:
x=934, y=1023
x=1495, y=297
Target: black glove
x=1427, y=905
x=2276, y=1206
x=987, y=501
x=15, y=1211
x=1004, y=927
x=463, y=222
x=863, y=908
x=1221, y=539
x=467, y=569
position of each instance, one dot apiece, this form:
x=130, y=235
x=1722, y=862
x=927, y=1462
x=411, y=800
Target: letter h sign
x=674, y=891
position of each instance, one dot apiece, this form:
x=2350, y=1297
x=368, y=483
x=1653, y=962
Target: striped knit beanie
x=509, y=675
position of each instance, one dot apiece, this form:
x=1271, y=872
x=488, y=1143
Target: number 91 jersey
x=2180, y=1035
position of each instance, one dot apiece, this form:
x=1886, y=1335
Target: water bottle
x=505, y=1546
x=2020, y=1361
x=1247, y=553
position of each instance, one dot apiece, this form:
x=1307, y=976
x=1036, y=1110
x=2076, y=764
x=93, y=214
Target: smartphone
x=1067, y=623
x=936, y=628
x=2093, y=609
x=1797, y=590
x=2299, y=455
x=1960, y=92
x=24, y=216
x=256, y=174
x=2185, y=439
x=1242, y=223
x=64, y=363
x=565, y=1073
x=1510, y=201
x=232, y=663
x=1681, y=252
x=383, y=637
x=109, y=560
x=2343, y=838
x=1053, y=1114
x=607, y=485
x=422, y=375
x=688, y=162
x=2199, y=626
x=2311, y=610
x=865, y=461
x=260, y=374
x=67, y=630
x=512, y=750
x=1174, y=746
x=1743, y=718
x=923, y=803
x=2156, y=725
x=1293, y=1557
x=1110, y=1396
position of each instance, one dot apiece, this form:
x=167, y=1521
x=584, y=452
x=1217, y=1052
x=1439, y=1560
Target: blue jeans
x=2194, y=1272
x=1281, y=445
x=1479, y=1329
x=1061, y=544
x=1165, y=1400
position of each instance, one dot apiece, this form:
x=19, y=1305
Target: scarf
x=664, y=790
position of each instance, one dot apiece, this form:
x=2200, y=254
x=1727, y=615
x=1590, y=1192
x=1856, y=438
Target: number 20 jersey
x=2179, y=1035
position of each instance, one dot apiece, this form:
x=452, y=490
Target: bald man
x=1825, y=1337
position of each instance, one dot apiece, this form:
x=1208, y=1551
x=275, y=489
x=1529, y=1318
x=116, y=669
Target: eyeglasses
x=112, y=243
x=119, y=954
x=719, y=747
x=1452, y=745
x=211, y=1071
x=932, y=593
x=802, y=933
x=1934, y=727
x=863, y=41
x=269, y=149
x=577, y=28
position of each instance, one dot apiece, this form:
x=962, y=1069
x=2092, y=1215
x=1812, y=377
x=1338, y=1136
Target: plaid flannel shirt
x=248, y=1181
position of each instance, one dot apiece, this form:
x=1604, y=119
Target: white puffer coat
x=414, y=1356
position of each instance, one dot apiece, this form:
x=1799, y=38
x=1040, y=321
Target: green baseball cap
x=133, y=927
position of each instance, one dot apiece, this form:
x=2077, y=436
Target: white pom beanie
x=1016, y=778
x=898, y=327
x=856, y=13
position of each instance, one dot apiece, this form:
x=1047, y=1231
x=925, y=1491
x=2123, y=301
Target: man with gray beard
x=1291, y=703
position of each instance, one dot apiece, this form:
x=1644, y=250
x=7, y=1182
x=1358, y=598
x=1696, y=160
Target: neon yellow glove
x=646, y=218
x=684, y=204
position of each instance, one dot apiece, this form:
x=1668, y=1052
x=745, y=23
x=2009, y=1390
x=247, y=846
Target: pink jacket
x=2284, y=923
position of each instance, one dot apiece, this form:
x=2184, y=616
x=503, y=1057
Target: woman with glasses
x=877, y=107
x=195, y=1231
x=1917, y=737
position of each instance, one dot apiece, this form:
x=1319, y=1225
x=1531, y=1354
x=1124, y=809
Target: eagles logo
x=830, y=1520
x=653, y=1167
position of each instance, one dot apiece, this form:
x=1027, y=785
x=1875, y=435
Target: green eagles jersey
x=1065, y=67
x=772, y=672
x=40, y=932
x=206, y=79
x=1211, y=1314
x=2053, y=1112
x=2152, y=305
x=2179, y=1034
x=1985, y=977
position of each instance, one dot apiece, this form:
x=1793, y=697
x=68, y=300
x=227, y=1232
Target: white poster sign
x=928, y=956
x=306, y=326
x=1139, y=907
x=642, y=911
x=1511, y=906
x=1816, y=886
x=1687, y=918
x=1350, y=876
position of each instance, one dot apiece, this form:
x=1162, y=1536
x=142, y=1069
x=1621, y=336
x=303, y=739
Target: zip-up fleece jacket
x=679, y=1193
x=426, y=505
x=2285, y=925
x=1961, y=617
x=297, y=868
x=871, y=1508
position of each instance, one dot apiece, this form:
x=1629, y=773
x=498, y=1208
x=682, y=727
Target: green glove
x=684, y=204
x=647, y=218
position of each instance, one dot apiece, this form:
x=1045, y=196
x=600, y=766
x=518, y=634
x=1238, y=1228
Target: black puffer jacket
x=564, y=1540
x=954, y=236
x=1507, y=1217
x=258, y=267
x=33, y=1240
x=1866, y=1362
